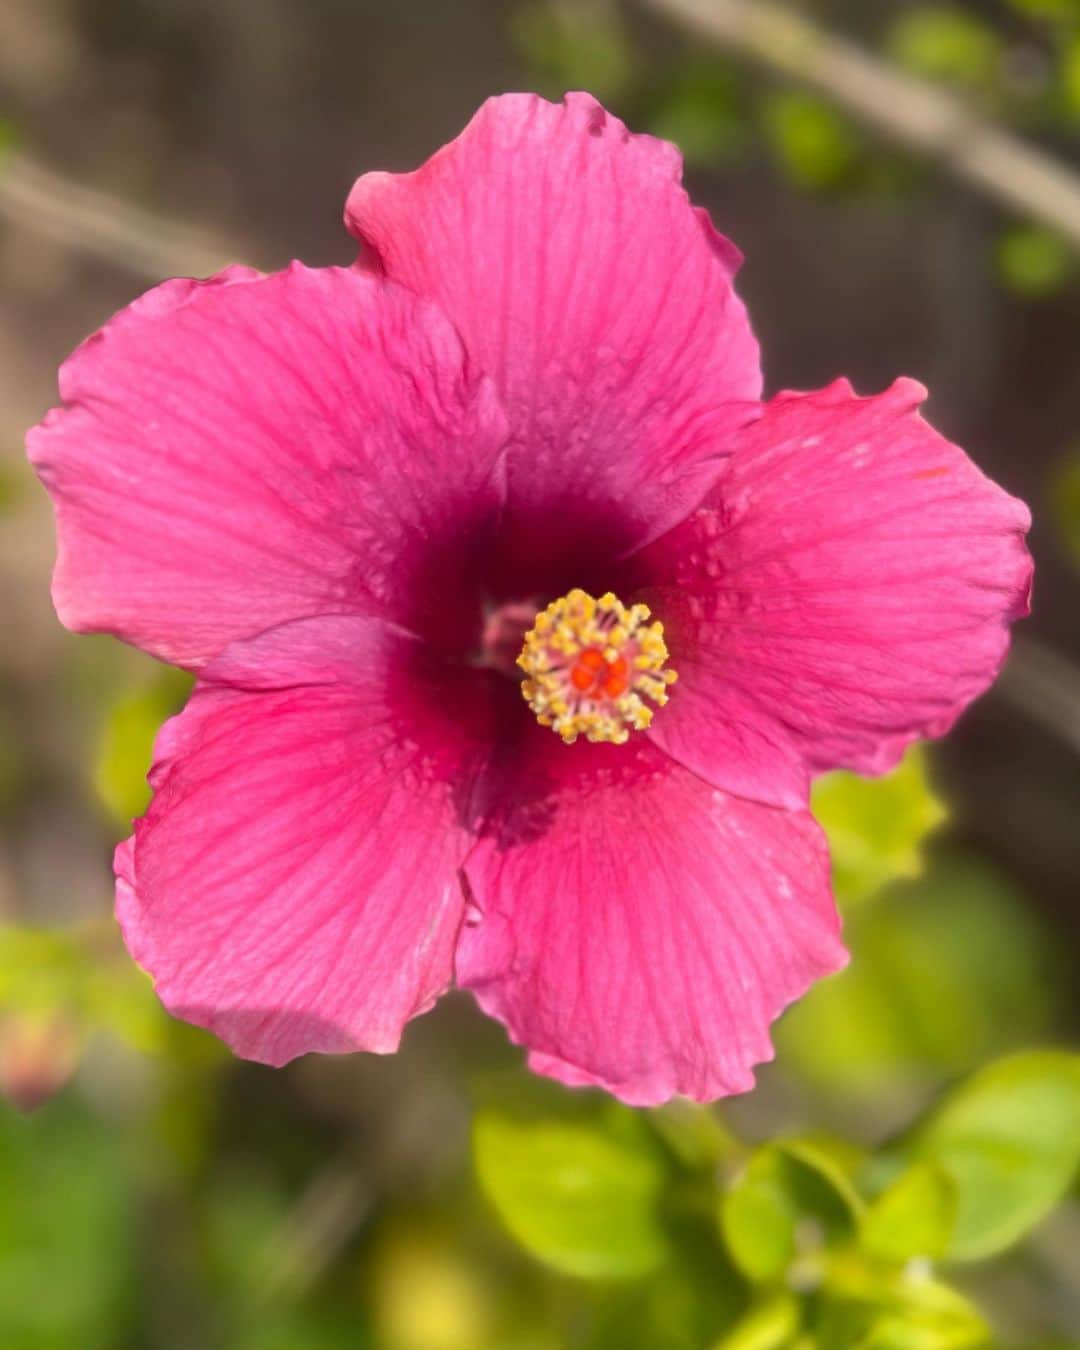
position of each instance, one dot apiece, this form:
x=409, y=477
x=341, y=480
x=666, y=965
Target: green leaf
x=1009, y=1139
x=943, y=42
x=961, y=939
x=877, y=827
x=1033, y=261
x=913, y=1217
x=82, y=976
x=816, y=146
x=128, y=738
x=878, y=1307
x=832, y=1162
x=42, y=970
x=574, y=1194
x=757, y=1218
x=772, y=1325
x=927, y=1315
x=784, y=1183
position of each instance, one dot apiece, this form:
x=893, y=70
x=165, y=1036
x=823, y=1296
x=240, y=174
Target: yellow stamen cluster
x=587, y=663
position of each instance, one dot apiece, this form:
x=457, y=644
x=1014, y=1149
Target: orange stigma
x=588, y=663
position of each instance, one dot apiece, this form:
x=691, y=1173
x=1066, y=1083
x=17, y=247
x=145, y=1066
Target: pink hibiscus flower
x=518, y=437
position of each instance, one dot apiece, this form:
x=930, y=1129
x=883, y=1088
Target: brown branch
x=916, y=116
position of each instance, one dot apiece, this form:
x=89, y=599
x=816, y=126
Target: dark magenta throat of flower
x=435, y=532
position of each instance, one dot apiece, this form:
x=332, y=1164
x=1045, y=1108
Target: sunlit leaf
x=758, y=1217
x=960, y=940
x=42, y=970
x=772, y=1325
x=1009, y=1139
x=128, y=739
x=81, y=979
x=877, y=827
x=574, y=1194
x=913, y=1217
x=785, y=1184
x=428, y=1296
x=928, y=1316
x=879, y=1307
x=121, y=999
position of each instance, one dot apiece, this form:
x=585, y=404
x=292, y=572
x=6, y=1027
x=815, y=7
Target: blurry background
x=872, y=1192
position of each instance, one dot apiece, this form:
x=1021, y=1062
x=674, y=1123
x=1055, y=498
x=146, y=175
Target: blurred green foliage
x=904, y=1176
x=947, y=43
x=8, y=138
x=66, y=1228
x=948, y=971
x=671, y=1228
x=813, y=1236
x=82, y=977
x=701, y=109
x=1009, y=1140
x=582, y=1199
x=1032, y=261
x=576, y=46
x=132, y=721
x=1065, y=11
x=913, y=1217
x=1065, y=503
x=814, y=145
x=877, y=827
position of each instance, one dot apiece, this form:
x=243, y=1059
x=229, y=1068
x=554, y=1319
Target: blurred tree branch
x=144, y=244
x=914, y=115
x=1045, y=686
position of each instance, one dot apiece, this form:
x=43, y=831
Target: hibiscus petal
x=846, y=588
x=236, y=453
x=638, y=929
x=567, y=253
x=294, y=885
